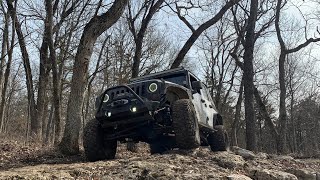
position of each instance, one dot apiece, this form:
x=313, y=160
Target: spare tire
x=218, y=140
x=185, y=124
x=95, y=147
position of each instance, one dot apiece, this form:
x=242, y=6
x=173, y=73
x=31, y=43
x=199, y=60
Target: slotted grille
x=139, y=89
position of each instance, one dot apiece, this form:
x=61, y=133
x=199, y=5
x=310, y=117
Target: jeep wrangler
x=169, y=109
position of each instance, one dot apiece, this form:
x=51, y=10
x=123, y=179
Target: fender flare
x=174, y=93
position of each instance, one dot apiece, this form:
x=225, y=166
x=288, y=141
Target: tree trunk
x=282, y=139
x=235, y=124
x=262, y=108
x=55, y=79
x=43, y=74
x=294, y=130
x=45, y=121
x=264, y=113
x=96, y=26
x=4, y=82
x=93, y=77
x=248, y=74
x=49, y=126
x=282, y=108
x=35, y=125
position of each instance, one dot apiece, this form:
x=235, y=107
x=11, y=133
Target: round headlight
x=153, y=87
x=106, y=98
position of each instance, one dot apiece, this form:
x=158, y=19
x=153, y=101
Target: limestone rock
x=238, y=177
x=262, y=155
x=246, y=154
x=228, y=160
x=266, y=174
x=287, y=158
x=303, y=174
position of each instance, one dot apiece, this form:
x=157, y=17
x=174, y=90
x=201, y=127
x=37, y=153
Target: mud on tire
x=218, y=140
x=95, y=147
x=185, y=124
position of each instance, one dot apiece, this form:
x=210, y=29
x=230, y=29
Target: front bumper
x=125, y=107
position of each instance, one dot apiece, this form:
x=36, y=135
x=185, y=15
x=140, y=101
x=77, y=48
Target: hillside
x=21, y=162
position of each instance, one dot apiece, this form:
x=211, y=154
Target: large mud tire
x=185, y=124
x=95, y=147
x=218, y=140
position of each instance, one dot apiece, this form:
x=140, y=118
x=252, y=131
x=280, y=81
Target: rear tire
x=185, y=124
x=95, y=147
x=218, y=140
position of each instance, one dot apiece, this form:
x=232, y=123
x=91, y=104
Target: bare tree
x=48, y=36
x=7, y=49
x=93, y=29
x=149, y=8
x=35, y=125
x=197, y=32
x=236, y=121
x=251, y=141
x=284, y=51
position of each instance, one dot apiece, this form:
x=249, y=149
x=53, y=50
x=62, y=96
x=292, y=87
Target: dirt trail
x=35, y=163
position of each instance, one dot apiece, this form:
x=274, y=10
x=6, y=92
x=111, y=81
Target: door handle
x=210, y=106
x=202, y=100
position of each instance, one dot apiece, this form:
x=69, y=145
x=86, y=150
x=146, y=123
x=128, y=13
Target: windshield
x=177, y=79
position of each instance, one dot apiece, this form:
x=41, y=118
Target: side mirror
x=196, y=85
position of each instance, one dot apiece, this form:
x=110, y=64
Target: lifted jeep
x=169, y=109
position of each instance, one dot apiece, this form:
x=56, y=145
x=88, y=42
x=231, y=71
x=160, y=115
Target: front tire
x=95, y=147
x=185, y=124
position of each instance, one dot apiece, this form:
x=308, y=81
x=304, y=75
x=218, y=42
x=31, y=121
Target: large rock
x=262, y=155
x=238, y=177
x=246, y=154
x=228, y=160
x=266, y=174
x=149, y=170
x=303, y=174
x=283, y=157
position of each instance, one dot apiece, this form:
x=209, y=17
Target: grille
x=139, y=89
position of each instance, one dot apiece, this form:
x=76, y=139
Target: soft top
x=158, y=75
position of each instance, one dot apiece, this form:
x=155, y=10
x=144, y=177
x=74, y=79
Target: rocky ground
x=32, y=162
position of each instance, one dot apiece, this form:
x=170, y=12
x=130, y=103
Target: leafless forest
x=259, y=58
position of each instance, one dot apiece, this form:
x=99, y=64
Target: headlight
x=106, y=98
x=153, y=87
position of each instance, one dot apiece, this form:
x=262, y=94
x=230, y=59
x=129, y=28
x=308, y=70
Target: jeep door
x=208, y=105
x=203, y=103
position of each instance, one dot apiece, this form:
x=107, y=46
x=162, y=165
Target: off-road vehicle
x=169, y=109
